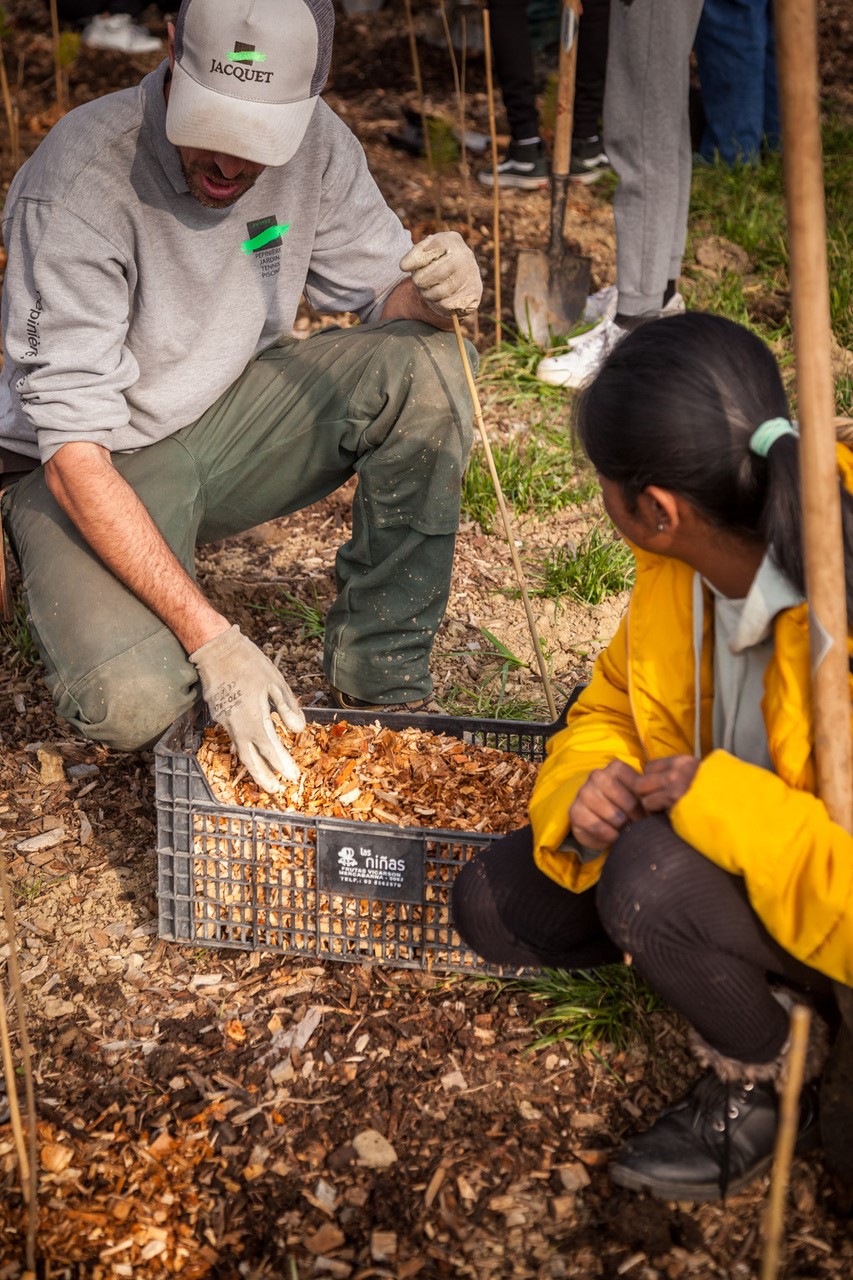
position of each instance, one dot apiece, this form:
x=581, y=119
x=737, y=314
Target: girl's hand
x=605, y=804
x=665, y=781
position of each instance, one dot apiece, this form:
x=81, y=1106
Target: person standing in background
x=111, y=26
x=736, y=60
x=647, y=131
x=525, y=164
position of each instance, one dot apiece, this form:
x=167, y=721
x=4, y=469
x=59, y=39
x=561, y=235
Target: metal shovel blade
x=550, y=294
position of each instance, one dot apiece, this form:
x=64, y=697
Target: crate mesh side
x=229, y=878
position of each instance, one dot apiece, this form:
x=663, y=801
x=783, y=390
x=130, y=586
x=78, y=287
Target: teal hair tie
x=764, y=437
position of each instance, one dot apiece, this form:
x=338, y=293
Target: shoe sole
x=521, y=184
x=588, y=178
x=701, y=1194
x=705, y=1192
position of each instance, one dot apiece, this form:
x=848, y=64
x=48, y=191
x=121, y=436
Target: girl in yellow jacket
x=674, y=820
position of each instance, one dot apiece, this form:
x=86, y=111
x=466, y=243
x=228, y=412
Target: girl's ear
x=170, y=28
x=660, y=510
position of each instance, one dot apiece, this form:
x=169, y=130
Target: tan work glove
x=239, y=685
x=445, y=273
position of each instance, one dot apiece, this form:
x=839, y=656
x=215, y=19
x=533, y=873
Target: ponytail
x=676, y=404
x=782, y=520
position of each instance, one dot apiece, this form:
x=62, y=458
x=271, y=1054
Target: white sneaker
x=118, y=31
x=601, y=304
x=587, y=353
x=583, y=359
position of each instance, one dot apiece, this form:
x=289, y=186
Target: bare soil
x=203, y=1113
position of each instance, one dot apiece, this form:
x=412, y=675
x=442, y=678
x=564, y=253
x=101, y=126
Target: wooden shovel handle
x=565, y=87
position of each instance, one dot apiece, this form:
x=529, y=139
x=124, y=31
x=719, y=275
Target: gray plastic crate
x=331, y=888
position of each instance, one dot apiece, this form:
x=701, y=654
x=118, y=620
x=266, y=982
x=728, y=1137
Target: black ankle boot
x=714, y=1141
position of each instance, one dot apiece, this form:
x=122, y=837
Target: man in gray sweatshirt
x=159, y=241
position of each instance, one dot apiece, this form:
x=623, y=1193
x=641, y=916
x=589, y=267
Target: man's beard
x=192, y=177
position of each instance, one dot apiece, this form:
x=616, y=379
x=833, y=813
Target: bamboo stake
x=460, y=114
x=466, y=168
x=510, y=536
x=786, y=1137
x=435, y=183
x=29, y=1168
x=496, y=203
x=57, y=68
x=459, y=91
x=12, y=1092
x=11, y=114
x=796, y=43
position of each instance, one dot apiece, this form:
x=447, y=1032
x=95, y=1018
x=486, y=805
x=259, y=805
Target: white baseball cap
x=247, y=75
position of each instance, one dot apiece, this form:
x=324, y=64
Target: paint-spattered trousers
x=387, y=403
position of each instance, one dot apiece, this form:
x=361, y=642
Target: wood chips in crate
x=256, y=880
x=407, y=777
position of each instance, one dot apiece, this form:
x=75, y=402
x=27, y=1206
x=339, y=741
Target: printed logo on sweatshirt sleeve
x=33, y=330
x=264, y=243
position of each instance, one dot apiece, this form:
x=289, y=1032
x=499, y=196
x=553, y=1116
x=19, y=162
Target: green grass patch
x=610, y=1005
x=307, y=619
x=16, y=639
x=507, y=380
x=746, y=204
x=540, y=475
x=541, y=469
x=491, y=699
x=600, y=566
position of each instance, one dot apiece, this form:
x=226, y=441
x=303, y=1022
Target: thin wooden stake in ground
x=496, y=203
x=57, y=64
x=27, y=1158
x=460, y=116
x=11, y=114
x=459, y=90
x=786, y=1137
x=419, y=89
x=510, y=536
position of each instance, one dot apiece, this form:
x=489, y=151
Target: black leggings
x=687, y=924
x=513, y=53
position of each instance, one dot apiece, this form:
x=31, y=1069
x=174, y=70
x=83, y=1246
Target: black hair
x=675, y=404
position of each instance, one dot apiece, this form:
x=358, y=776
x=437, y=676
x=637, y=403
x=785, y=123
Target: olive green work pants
x=388, y=403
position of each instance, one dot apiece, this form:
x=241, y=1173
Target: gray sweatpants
x=388, y=403
x=647, y=135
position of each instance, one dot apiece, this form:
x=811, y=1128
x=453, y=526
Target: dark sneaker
x=525, y=165
x=713, y=1142
x=589, y=160
x=423, y=706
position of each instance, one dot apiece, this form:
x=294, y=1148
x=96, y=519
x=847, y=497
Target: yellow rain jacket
x=651, y=695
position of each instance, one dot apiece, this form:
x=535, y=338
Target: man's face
x=217, y=180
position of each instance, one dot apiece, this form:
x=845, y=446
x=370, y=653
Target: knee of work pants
x=131, y=699
x=415, y=402
x=115, y=672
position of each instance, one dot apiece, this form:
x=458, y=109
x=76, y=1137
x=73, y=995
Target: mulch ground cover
x=218, y=1113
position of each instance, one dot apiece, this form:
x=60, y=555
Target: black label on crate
x=368, y=865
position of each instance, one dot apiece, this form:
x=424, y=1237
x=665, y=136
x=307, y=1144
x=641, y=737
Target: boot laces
x=720, y=1104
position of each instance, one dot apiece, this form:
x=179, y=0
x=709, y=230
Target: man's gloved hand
x=240, y=685
x=445, y=273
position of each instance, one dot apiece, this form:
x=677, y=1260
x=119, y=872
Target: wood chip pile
x=409, y=778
